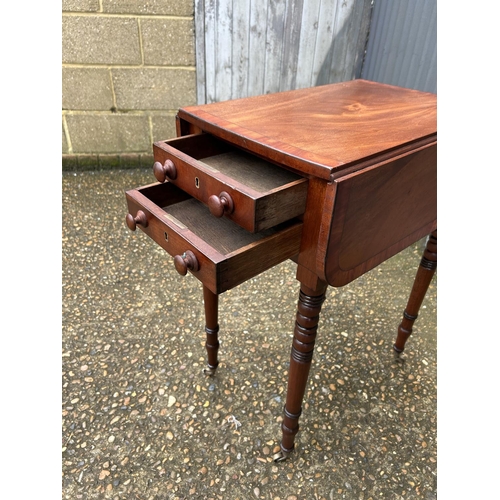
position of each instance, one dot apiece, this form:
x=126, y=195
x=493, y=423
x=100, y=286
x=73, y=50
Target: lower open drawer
x=217, y=251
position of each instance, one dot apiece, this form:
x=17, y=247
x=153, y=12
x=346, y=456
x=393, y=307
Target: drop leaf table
x=338, y=178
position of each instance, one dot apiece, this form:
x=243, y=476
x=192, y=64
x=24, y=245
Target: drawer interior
x=221, y=234
x=250, y=170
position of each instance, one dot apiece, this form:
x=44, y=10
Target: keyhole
x=197, y=182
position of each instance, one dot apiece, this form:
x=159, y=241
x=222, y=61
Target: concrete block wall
x=127, y=66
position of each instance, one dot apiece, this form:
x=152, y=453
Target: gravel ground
x=141, y=421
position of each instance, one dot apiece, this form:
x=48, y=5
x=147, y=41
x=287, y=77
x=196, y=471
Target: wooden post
x=211, y=301
x=425, y=272
x=306, y=325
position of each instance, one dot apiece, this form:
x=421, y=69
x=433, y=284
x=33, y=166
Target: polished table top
x=324, y=130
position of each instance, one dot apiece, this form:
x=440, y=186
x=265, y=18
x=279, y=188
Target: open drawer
x=253, y=192
x=215, y=250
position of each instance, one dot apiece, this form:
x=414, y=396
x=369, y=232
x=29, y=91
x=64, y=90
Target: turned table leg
x=306, y=325
x=423, y=278
x=211, y=301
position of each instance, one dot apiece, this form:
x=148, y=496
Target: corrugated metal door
x=253, y=47
x=402, y=45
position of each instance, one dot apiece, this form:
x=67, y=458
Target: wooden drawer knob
x=140, y=219
x=220, y=205
x=163, y=171
x=186, y=261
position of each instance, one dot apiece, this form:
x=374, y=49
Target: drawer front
x=215, y=250
x=248, y=190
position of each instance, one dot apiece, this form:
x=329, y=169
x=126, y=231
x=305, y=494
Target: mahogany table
x=338, y=178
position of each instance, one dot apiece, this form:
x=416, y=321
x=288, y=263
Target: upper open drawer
x=254, y=193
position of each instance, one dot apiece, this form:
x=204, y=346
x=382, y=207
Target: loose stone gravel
x=141, y=421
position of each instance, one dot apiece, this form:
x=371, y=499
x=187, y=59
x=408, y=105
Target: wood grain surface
x=323, y=130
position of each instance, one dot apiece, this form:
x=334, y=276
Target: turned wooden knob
x=140, y=219
x=220, y=205
x=186, y=261
x=163, y=171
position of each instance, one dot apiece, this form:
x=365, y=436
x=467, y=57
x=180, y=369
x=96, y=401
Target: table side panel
x=320, y=198
x=379, y=212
